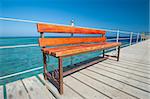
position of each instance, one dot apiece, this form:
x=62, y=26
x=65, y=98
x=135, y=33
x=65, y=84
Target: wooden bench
x=70, y=46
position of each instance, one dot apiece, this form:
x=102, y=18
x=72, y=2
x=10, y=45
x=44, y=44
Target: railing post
x=72, y=24
x=131, y=37
x=42, y=35
x=140, y=37
x=117, y=38
x=137, y=38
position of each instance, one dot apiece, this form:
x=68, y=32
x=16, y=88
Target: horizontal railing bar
x=19, y=73
x=15, y=46
x=118, y=39
x=124, y=38
x=125, y=45
x=32, y=45
x=23, y=72
x=35, y=22
x=21, y=20
x=123, y=32
x=30, y=70
x=111, y=39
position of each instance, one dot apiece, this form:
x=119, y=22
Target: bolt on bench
x=76, y=46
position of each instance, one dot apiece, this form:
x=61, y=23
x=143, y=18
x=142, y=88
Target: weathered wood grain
x=120, y=86
x=129, y=70
x=122, y=79
x=16, y=90
x=62, y=41
x=36, y=89
x=83, y=89
x=1, y=92
x=109, y=68
x=50, y=28
x=102, y=87
x=68, y=92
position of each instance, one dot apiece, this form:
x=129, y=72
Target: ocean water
x=16, y=60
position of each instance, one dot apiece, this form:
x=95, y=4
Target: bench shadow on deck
x=127, y=79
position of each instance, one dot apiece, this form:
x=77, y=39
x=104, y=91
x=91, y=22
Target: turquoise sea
x=20, y=59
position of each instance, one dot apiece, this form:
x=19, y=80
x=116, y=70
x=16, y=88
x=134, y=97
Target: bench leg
x=45, y=66
x=103, y=53
x=118, y=53
x=60, y=76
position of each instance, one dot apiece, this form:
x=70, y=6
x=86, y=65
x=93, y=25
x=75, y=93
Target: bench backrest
x=49, y=28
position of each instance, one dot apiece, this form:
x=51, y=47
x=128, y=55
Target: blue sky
x=129, y=15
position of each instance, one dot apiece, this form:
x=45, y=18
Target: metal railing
x=117, y=39
x=118, y=32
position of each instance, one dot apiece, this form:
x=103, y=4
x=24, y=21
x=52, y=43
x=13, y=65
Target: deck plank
x=102, y=87
x=134, y=63
x=118, y=85
x=128, y=66
x=109, y=68
x=36, y=89
x=83, y=89
x=133, y=59
x=128, y=70
x=16, y=90
x=1, y=92
x=122, y=79
x=68, y=92
x=137, y=53
x=131, y=65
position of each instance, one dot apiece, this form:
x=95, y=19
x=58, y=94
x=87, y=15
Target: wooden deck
x=127, y=79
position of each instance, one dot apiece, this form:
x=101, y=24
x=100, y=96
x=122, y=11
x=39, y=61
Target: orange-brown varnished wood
x=61, y=41
x=49, y=28
x=70, y=50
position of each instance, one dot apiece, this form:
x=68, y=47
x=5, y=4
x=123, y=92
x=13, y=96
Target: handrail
x=15, y=46
x=35, y=22
x=32, y=45
x=107, y=30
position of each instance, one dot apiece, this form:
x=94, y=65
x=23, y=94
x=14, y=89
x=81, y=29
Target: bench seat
x=80, y=48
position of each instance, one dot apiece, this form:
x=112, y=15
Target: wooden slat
x=121, y=86
x=72, y=47
x=1, y=92
x=61, y=41
x=102, y=87
x=68, y=92
x=137, y=53
x=130, y=66
x=122, y=73
x=36, y=89
x=133, y=58
x=83, y=89
x=136, y=58
x=135, y=63
x=50, y=86
x=129, y=71
x=16, y=90
x=71, y=50
x=67, y=29
x=83, y=49
x=122, y=79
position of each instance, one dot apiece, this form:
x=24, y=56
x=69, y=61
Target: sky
x=127, y=15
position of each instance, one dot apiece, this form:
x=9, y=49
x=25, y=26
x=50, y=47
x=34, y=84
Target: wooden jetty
x=127, y=79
